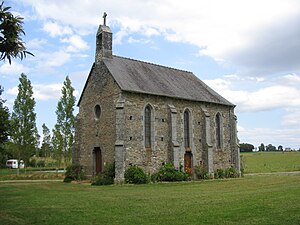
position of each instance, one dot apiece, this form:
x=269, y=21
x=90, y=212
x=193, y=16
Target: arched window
x=218, y=130
x=97, y=111
x=186, y=120
x=147, y=126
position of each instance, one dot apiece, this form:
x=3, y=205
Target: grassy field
x=265, y=162
x=251, y=200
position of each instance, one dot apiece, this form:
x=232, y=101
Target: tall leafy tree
x=11, y=30
x=24, y=134
x=4, y=129
x=270, y=148
x=63, y=132
x=46, y=148
x=246, y=147
x=261, y=148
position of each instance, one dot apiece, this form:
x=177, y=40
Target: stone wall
x=91, y=132
x=163, y=149
x=119, y=131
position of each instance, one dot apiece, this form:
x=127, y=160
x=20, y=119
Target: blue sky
x=248, y=51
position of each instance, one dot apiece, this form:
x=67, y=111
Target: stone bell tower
x=103, y=41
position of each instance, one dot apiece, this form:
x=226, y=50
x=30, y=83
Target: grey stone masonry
x=103, y=43
x=208, y=142
x=119, y=144
x=174, y=143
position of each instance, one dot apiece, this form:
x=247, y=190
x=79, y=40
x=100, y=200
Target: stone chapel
x=138, y=113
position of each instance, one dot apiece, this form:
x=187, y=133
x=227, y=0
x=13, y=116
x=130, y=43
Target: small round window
x=97, y=111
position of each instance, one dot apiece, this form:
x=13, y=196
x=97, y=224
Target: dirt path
x=274, y=173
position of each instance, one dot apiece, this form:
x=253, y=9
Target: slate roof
x=142, y=77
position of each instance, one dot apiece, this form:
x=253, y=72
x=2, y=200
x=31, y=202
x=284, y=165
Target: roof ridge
x=154, y=64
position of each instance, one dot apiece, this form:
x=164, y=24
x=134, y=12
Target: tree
x=280, y=148
x=4, y=130
x=63, y=132
x=270, y=148
x=245, y=147
x=261, y=148
x=46, y=148
x=23, y=121
x=11, y=29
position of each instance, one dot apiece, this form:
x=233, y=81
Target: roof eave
x=177, y=97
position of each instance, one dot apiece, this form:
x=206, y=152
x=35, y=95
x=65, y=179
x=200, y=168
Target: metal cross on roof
x=104, y=18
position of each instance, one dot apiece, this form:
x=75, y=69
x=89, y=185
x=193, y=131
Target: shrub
x=154, y=177
x=40, y=163
x=74, y=172
x=32, y=162
x=219, y=173
x=135, y=175
x=169, y=173
x=201, y=172
x=227, y=173
x=231, y=172
x=106, y=177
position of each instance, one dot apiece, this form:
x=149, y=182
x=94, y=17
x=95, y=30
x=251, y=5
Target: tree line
x=246, y=147
x=19, y=138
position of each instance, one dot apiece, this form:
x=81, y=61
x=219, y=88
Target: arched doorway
x=97, y=160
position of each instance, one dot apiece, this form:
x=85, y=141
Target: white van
x=12, y=163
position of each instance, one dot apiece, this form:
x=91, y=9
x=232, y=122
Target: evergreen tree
x=46, y=148
x=4, y=130
x=24, y=134
x=63, y=132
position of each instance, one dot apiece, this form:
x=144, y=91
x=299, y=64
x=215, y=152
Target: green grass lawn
x=251, y=200
x=265, y=162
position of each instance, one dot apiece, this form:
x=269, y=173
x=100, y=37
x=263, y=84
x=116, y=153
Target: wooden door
x=98, y=160
x=188, y=162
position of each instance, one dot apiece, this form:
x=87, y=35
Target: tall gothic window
x=148, y=126
x=186, y=129
x=218, y=130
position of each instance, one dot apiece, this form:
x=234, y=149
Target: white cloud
x=274, y=94
x=253, y=35
x=43, y=92
x=54, y=29
x=119, y=37
x=55, y=59
x=290, y=79
x=46, y=91
x=281, y=136
x=76, y=43
x=292, y=117
x=13, y=91
x=36, y=43
x=13, y=69
x=139, y=41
